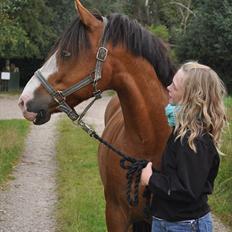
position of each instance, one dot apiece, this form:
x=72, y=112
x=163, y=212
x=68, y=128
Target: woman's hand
x=146, y=174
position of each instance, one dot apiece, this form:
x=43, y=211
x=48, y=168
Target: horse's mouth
x=42, y=117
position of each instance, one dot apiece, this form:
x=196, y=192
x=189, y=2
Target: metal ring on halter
x=102, y=54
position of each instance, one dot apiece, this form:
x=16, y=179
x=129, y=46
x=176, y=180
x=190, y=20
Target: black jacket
x=180, y=189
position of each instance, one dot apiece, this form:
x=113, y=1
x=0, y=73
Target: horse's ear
x=86, y=17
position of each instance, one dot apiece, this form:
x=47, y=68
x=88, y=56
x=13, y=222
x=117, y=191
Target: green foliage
x=63, y=13
x=208, y=38
x=36, y=19
x=105, y=7
x=13, y=40
x=11, y=7
x=30, y=27
x=160, y=31
x=228, y=103
x=25, y=29
x=80, y=192
x=12, y=135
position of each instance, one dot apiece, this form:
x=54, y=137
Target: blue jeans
x=203, y=224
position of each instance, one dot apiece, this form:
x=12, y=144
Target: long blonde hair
x=202, y=107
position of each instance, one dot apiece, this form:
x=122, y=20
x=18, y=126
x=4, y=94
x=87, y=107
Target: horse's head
x=73, y=59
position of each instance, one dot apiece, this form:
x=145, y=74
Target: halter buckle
x=58, y=97
x=97, y=94
x=86, y=128
x=73, y=115
x=102, y=54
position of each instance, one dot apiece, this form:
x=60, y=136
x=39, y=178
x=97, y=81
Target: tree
x=63, y=13
x=105, y=7
x=36, y=18
x=208, y=37
x=13, y=41
x=25, y=28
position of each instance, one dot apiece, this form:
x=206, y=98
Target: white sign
x=5, y=76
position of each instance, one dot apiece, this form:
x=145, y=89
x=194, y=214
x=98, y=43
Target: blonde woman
x=190, y=160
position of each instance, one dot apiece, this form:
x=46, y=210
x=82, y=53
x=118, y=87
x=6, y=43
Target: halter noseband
x=93, y=78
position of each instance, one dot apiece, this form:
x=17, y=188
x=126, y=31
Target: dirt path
x=28, y=202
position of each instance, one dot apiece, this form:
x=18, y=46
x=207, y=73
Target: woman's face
x=175, y=90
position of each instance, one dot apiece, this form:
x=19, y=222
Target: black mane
x=121, y=30
x=141, y=42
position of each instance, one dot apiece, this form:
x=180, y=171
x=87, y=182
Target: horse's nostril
x=21, y=103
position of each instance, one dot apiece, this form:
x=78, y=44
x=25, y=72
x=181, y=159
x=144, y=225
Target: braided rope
x=134, y=169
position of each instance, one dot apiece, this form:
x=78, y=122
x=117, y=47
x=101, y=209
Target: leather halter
x=93, y=78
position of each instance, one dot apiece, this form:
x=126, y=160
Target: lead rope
x=134, y=168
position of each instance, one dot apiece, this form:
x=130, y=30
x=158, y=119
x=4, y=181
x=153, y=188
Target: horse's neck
x=142, y=99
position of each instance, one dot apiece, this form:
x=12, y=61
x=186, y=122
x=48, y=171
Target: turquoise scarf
x=170, y=112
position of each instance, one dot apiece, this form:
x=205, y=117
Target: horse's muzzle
x=42, y=117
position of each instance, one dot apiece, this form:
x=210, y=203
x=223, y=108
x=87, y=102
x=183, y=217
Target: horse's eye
x=65, y=54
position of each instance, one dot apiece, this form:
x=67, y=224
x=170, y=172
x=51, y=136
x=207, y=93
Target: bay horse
x=138, y=68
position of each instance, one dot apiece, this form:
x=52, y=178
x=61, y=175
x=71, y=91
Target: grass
x=221, y=200
x=12, y=136
x=80, y=192
x=10, y=93
x=228, y=102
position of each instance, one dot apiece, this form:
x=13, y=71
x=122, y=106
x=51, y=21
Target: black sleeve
x=186, y=181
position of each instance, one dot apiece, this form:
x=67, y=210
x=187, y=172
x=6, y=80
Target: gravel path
x=28, y=202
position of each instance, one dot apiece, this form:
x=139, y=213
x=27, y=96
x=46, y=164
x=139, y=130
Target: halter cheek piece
x=93, y=78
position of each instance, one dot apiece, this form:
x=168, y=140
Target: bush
x=208, y=38
x=160, y=31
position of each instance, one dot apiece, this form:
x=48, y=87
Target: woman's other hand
x=146, y=174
